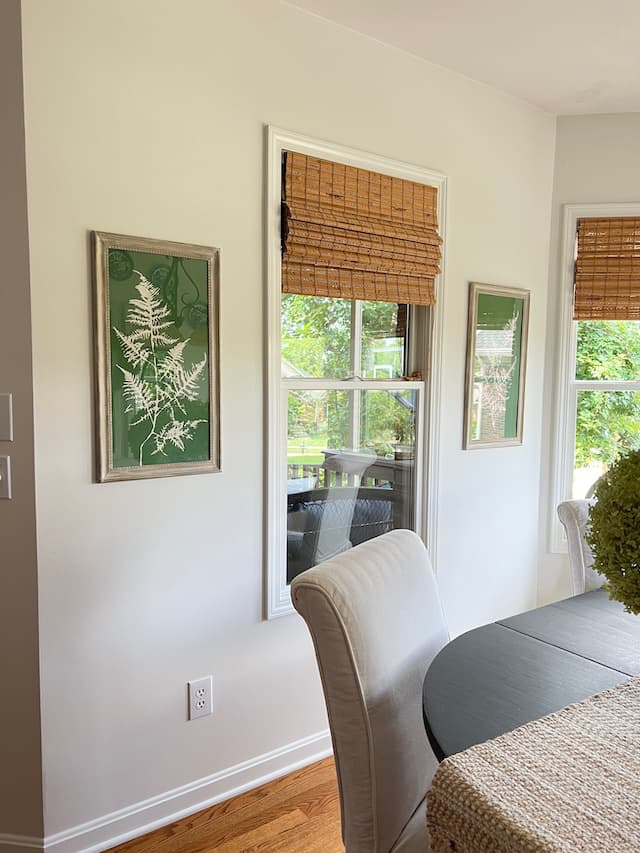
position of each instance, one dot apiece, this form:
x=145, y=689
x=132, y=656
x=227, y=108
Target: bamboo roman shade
x=607, y=270
x=354, y=234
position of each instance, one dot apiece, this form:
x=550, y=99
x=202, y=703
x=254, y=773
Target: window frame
x=277, y=592
x=566, y=384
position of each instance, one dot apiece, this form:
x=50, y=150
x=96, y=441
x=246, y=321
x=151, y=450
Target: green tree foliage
x=316, y=342
x=608, y=422
x=614, y=533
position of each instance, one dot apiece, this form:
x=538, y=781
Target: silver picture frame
x=497, y=338
x=156, y=365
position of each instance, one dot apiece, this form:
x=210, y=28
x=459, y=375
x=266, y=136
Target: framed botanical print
x=156, y=331
x=496, y=365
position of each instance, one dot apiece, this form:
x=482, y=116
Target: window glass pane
x=607, y=424
x=350, y=470
x=608, y=349
x=383, y=340
x=316, y=336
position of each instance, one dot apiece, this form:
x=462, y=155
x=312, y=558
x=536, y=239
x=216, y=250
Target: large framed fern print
x=156, y=315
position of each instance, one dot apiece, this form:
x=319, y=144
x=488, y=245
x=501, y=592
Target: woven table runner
x=567, y=782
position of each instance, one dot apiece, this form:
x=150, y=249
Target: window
x=606, y=389
x=352, y=436
x=348, y=397
x=599, y=404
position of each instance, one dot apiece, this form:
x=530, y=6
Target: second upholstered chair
x=376, y=621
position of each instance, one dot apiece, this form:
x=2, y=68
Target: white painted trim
x=566, y=385
x=278, y=598
x=18, y=843
x=606, y=385
x=298, y=383
x=139, y=818
x=435, y=402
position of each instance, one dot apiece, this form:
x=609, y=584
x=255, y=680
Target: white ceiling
x=566, y=56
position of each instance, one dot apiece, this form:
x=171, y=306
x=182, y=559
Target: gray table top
x=500, y=676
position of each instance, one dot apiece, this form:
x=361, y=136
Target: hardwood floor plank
x=289, y=822
x=316, y=835
x=298, y=813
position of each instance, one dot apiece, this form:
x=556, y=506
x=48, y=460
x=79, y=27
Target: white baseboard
x=145, y=816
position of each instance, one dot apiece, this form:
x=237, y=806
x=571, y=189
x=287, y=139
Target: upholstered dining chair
x=574, y=516
x=376, y=621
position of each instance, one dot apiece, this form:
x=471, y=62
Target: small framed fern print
x=156, y=329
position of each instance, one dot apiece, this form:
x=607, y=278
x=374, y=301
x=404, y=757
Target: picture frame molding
x=101, y=242
x=475, y=288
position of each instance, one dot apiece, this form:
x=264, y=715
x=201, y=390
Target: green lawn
x=311, y=459
x=306, y=450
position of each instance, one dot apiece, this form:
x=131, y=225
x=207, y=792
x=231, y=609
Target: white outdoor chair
x=574, y=515
x=375, y=618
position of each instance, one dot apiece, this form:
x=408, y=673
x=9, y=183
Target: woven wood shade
x=353, y=234
x=607, y=271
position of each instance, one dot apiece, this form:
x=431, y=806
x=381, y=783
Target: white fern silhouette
x=158, y=399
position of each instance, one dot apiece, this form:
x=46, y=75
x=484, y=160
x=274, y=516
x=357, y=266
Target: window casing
x=598, y=402
x=367, y=378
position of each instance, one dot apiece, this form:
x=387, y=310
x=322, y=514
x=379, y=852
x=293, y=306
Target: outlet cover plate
x=5, y=477
x=200, y=695
x=6, y=417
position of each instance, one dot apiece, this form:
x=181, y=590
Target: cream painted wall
x=147, y=117
x=596, y=162
x=20, y=764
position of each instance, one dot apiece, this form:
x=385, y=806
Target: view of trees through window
x=327, y=338
x=608, y=415
x=351, y=425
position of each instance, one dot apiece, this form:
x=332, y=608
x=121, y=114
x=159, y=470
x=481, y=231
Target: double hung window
x=359, y=255
x=600, y=354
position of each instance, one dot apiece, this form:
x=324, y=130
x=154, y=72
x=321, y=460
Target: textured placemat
x=566, y=782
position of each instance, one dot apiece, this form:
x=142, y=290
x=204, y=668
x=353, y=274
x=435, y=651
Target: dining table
x=495, y=678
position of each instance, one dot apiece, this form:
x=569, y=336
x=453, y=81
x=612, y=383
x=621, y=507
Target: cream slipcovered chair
x=376, y=621
x=574, y=516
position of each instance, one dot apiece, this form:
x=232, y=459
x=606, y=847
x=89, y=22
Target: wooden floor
x=299, y=813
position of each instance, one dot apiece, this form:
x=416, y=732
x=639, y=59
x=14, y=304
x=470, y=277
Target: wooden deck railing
x=325, y=477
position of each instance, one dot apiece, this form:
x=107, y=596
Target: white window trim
x=566, y=386
x=278, y=597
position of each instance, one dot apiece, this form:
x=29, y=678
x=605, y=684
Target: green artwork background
x=501, y=314
x=181, y=288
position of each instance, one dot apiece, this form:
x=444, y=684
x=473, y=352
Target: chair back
x=574, y=516
x=376, y=621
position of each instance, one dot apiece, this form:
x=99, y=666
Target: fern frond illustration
x=133, y=351
x=157, y=384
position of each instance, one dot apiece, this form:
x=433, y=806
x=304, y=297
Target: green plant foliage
x=614, y=533
x=607, y=423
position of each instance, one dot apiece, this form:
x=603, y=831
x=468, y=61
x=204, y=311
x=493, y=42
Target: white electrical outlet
x=200, y=697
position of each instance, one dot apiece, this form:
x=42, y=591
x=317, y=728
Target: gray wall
x=20, y=766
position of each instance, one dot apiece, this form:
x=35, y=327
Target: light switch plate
x=5, y=477
x=6, y=417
